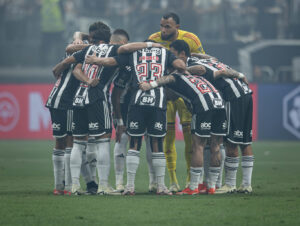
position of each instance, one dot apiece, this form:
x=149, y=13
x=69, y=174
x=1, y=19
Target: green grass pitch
x=26, y=184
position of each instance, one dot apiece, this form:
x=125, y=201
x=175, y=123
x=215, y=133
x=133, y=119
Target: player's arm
x=134, y=46
x=115, y=98
x=101, y=61
x=230, y=73
x=77, y=43
x=203, y=56
x=196, y=70
x=78, y=73
x=63, y=65
x=159, y=82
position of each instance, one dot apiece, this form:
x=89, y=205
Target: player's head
x=119, y=36
x=99, y=32
x=180, y=49
x=169, y=24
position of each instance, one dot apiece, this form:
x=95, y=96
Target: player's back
x=198, y=91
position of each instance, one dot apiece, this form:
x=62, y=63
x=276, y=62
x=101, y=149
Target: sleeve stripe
x=194, y=37
x=154, y=36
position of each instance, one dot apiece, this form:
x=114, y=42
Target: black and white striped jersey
x=148, y=65
x=123, y=81
x=62, y=94
x=199, y=92
x=86, y=94
x=231, y=88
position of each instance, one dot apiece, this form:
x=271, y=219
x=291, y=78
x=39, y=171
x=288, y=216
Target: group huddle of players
x=152, y=80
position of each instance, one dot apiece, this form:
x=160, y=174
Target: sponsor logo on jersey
x=147, y=99
x=218, y=103
x=128, y=68
x=157, y=51
x=9, y=111
x=158, y=126
x=133, y=125
x=205, y=125
x=101, y=50
x=93, y=125
x=238, y=134
x=56, y=126
x=224, y=125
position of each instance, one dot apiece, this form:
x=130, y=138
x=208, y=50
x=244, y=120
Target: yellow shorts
x=178, y=105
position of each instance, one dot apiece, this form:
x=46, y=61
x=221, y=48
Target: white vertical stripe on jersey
x=233, y=87
x=163, y=59
x=161, y=90
x=139, y=92
x=62, y=89
x=200, y=95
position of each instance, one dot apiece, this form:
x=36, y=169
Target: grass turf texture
x=26, y=184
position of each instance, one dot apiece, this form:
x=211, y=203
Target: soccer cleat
x=152, y=187
x=211, y=191
x=58, y=192
x=188, y=191
x=226, y=189
x=202, y=189
x=245, y=189
x=66, y=192
x=107, y=190
x=120, y=188
x=76, y=190
x=128, y=191
x=163, y=190
x=91, y=188
x=174, y=188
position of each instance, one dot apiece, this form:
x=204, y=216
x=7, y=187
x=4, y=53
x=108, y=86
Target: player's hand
x=91, y=59
x=119, y=131
x=77, y=42
x=245, y=80
x=57, y=70
x=145, y=86
x=93, y=82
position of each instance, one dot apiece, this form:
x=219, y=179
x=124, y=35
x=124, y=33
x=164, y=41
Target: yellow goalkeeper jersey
x=191, y=39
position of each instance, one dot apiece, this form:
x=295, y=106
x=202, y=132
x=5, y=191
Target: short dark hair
x=99, y=31
x=174, y=16
x=121, y=32
x=181, y=45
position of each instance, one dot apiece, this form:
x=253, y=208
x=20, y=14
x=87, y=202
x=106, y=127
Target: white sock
x=206, y=163
x=223, y=155
x=159, y=166
x=68, y=177
x=195, y=176
x=247, y=168
x=231, y=167
x=213, y=176
x=76, y=159
x=58, y=168
x=91, y=157
x=201, y=175
x=85, y=169
x=103, y=160
x=120, y=157
x=132, y=163
x=152, y=179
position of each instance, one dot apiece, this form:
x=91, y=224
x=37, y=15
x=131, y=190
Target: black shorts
x=61, y=122
x=239, y=114
x=94, y=119
x=212, y=122
x=145, y=119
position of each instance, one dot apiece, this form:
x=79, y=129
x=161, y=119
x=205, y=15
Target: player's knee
x=156, y=144
x=135, y=143
x=60, y=143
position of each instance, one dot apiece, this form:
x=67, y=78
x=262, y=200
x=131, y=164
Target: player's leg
x=169, y=146
x=200, y=135
x=223, y=155
x=246, y=147
x=136, y=129
x=80, y=134
x=59, y=121
x=152, y=179
x=68, y=177
x=218, y=131
x=91, y=157
x=156, y=128
x=120, y=150
x=185, y=120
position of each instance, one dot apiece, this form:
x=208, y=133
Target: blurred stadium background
x=258, y=37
